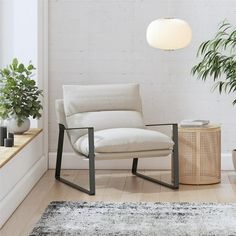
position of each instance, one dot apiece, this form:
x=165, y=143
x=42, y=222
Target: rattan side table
x=200, y=154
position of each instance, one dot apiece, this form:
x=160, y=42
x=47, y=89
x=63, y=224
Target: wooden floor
x=111, y=186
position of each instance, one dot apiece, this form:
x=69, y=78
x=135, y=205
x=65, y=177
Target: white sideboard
x=20, y=172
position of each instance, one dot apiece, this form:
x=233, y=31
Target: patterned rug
x=137, y=219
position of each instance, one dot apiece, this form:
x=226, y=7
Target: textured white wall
x=103, y=41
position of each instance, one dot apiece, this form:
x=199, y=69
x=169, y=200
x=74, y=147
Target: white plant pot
x=234, y=158
x=13, y=127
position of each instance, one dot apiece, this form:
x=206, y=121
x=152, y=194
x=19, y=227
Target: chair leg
x=174, y=185
x=135, y=165
x=59, y=151
x=91, y=190
x=174, y=166
x=91, y=162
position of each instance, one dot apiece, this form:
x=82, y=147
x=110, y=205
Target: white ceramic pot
x=13, y=127
x=234, y=158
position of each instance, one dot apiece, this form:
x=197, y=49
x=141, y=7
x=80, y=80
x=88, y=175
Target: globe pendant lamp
x=169, y=34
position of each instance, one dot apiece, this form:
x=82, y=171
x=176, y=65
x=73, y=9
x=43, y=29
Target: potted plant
x=218, y=61
x=19, y=96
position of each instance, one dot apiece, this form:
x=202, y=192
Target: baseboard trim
x=73, y=161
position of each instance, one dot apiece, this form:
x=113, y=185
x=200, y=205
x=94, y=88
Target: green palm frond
x=218, y=59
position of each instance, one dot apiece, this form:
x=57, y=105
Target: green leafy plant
x=19, y=95
x=219, y=59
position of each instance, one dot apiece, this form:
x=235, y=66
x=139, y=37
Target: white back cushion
x=102, y=107
x=86, y=98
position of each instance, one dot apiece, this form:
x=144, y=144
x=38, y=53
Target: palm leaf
x=218, y=59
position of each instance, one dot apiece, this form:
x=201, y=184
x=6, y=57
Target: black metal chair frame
x=91, y=157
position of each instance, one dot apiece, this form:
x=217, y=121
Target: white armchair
x=105, y=122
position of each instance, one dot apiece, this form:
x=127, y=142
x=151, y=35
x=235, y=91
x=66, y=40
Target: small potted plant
x=218, y=61
x=19, y=96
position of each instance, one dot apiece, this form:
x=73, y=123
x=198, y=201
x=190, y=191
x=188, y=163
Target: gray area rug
x=138, y=219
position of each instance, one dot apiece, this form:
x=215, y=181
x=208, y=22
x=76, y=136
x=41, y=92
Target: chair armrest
x=164, y=124
x=90, y=137
x=89, y=128
x=174, y=131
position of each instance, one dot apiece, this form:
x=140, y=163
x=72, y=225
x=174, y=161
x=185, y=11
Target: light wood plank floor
x=116, y=185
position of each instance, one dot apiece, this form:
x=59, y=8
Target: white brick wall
x=103, y=41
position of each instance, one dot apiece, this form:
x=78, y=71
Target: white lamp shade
x=169, y=34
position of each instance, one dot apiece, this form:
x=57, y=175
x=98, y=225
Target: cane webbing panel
x=199, y=154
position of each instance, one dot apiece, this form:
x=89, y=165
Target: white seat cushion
x=120, y=140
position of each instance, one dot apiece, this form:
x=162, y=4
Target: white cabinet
x=19, y=175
